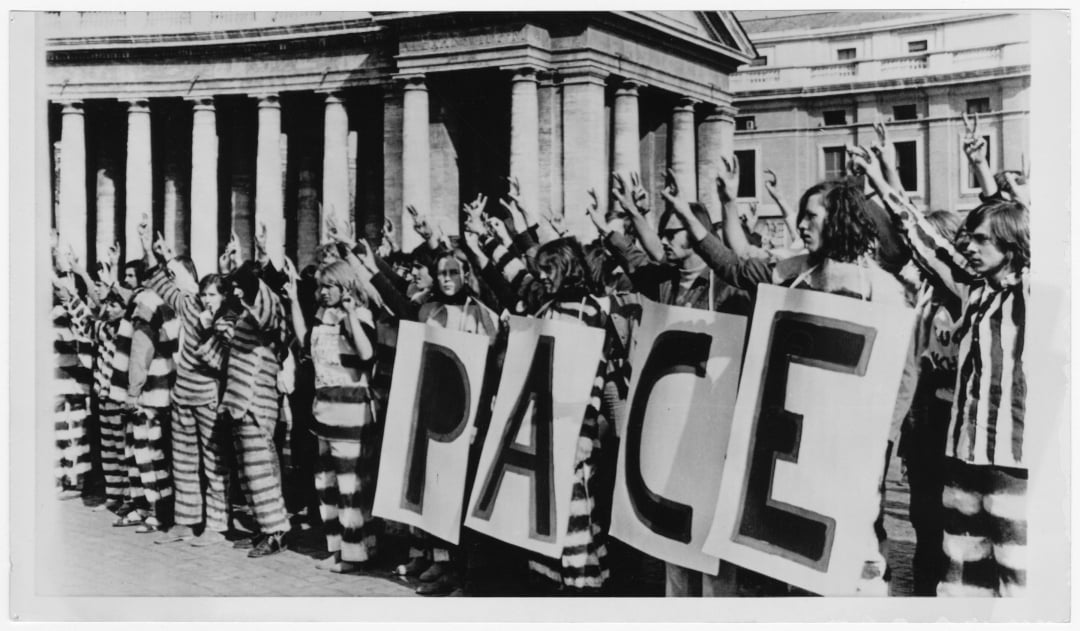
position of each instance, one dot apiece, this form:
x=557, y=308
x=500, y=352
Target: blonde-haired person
x=339, y=344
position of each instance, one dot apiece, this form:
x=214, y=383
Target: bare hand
x=113, y=255
x=593, y=211
x=622, y=195
x=637, y=192
x=557, y=225
x=770, y=179
x=727, y=179
x=671, y=186
x=337, y=232
x=975, y=148
x=292, y=278
x=861, y=161
x=163, y=249
x=472, y=240
x=144, y=233
x=420, y=222
x=474, y=214
x=679, y=205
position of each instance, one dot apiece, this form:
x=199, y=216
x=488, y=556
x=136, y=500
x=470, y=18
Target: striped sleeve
x=933, y=253
x=163, y=284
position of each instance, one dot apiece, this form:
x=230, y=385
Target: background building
x=822, y=78
x=216, y=121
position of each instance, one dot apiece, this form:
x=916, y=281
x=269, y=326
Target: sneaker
x=415, y=567
x=270, y=544
x=208, y=538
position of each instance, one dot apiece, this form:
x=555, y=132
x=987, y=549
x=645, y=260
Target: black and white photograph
x=588, y=315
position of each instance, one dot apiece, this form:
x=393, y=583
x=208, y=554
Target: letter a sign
x=799, y=494
x=525, y=478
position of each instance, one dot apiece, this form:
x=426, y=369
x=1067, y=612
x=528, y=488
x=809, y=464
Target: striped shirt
x=105, y=350
x=149, y=314
x=72, y=350
x=987, y=424
x=341, y=408
x=197, y=383
x=253, y=365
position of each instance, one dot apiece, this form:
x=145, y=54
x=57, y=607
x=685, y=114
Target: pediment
x=720, y=28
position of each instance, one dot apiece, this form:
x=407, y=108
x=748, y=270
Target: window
x=745, y=123
x=835, y=117
x=971, y=181
x=917, y=46
x=978, y=106
x=845, y=54
x=763, y=60
x=906, y=112
x=835, y=159
x=907, y=164
x=747, y=172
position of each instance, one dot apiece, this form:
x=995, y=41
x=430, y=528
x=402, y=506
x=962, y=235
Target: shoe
x=442, y=586
x=247, y=543
x=435, y=572
x=128, y=520
x=415, y=567
x=208, y=538
x=270, y=544
x=348, y=567
x=176, y=534
x=329, y=562
x=149, y=525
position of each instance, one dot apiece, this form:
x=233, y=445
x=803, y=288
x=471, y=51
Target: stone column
x=269, y=202
x=71, y=220
x=335, y=183
x=415, y=158
x=943, y=138
x=714, y=140
x=627, y=129
x=105, y=178
x=525, y=136
x=139, y=193
x=205, y=237
x=683, y=162
x=584, y=165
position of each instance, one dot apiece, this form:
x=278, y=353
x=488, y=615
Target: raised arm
x=790, y=218
x=935, y=254
x=975, y=149
x=633, y=201
x=296, y=315
x=727, y=183
x=163, y=283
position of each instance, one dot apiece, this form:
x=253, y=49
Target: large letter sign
x=800, y=487
x=675, y=431
x=433, y=404
x=522, y=490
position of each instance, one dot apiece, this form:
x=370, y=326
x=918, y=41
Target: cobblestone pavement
x=93, y=558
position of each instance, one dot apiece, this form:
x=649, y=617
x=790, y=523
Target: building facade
x=822, y=79
x=214, y=122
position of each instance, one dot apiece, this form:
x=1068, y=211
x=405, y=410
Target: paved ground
x=93, y=558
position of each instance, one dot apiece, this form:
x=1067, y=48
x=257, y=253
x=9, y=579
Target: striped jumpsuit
x=985, y=494
x=199, y=438
x=71, y=390
x=251, y=403
x=110, y=412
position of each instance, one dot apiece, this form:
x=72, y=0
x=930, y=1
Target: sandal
x=149, y=525
x=130, y=519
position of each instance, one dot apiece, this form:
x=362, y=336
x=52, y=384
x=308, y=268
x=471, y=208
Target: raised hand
x=143, y=229
x=113, y=255
x=671, y=187
x=638, y=193
x=420, y=222
x=557, y=225
x=770, y=181
x=594, y=213
x=514, y=193
x=337, y=232
x=975, y=148
x=862, y=161
x=163, y=249
x=472, y=240
x=727, y=178
x=292, y=279
x=622, y=194
x=474, y=214
x=261, y=235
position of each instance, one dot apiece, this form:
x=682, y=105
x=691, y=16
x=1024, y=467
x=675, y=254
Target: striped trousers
x=985, y=537
x=145, y=453
x=72, y=449
x=260, y=473
x=198, y=444
x=345, y=482
x=111, y=421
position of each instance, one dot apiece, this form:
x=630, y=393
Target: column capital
x=686, y=103
x=202, y=103
x=627, y=87
x=72, y=107
x=139, y=105
x=723, y=112
x=578, y=76
x=413, y=82
x=268, y=100
x=525, y=73
x=332, y=96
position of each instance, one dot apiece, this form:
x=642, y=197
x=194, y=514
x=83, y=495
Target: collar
x=330, y=315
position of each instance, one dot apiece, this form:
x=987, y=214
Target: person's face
x=329, y=293
x=113, y=310
x=983, y=253
x=674, y=240
x=421, y=277
x=451, y=276
x=211, y=298
x=549, y=273
x=812, y=222
x=131, y=279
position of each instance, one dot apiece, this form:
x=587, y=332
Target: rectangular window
x=907, y=164
x=745, y=123
x=905, y=112
x=917, y=46
x=845, y=54
x=747, y=172
x=972, y=182
x=835, y=117
x=763, y=60
x=835, y=158
x=978, y=106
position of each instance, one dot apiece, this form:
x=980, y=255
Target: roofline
x=932, y=18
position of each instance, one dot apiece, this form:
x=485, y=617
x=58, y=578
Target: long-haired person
x=985, y=523
x=340, y=345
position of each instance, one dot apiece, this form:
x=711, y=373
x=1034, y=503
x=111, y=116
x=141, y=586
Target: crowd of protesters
x=169, y=385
